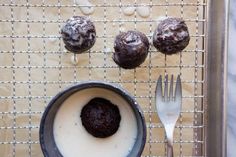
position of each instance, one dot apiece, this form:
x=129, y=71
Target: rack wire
x=34, y=67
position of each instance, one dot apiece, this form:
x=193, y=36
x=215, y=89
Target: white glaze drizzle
x=122, y=29
x=160, y=18
x=74, y=60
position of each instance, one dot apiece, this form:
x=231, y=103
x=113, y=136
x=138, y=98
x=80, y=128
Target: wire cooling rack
x=34, y=67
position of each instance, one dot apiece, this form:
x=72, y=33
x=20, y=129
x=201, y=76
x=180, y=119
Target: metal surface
x=34, y=68
x=216, y=78
x=168, y=108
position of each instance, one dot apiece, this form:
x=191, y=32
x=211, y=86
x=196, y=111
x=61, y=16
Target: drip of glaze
x=160, y=18
x=151, y=38
x=53, y=40
x=122, y=29
x=87, y=9
x=122, y=23
x=128, y=11
x=107, y=50
x=143, y=11
x=74, y=60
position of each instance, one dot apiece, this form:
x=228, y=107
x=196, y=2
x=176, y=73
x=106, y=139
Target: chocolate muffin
x=78, y=34
x=171, y=36
x=131, y=49
x=100, y=117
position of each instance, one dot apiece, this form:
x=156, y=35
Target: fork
x=168, y=108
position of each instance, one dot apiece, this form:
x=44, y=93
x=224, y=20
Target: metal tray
x=34, y=67
x=216, y=78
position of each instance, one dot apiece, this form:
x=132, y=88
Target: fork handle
x=170, y=152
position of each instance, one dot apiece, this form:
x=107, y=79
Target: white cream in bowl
x=73, y=140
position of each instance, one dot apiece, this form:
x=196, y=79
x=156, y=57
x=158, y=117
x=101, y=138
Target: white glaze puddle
x=73, y=140
x=128, y=11
x=143, y=11
x=88, y=9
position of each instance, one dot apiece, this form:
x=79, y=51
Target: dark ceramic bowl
x=47, y=141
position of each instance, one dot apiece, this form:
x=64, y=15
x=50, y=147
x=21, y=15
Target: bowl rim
x=94, y=84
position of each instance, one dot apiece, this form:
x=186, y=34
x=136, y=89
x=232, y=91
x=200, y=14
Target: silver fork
x=168, y=108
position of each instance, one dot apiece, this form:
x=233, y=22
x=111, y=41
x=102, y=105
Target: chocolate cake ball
x=78, y=34
x=171, y=36
x=100, y=117
x=131, y=49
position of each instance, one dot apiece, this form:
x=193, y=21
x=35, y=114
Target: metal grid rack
x=34, y=67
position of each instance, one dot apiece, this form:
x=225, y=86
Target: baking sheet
x=34, y=67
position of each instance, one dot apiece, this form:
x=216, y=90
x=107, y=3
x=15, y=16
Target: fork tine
x=159, y=89
x=178, y=90
x=166, y=88
x=169, y=108
x=171, y=88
